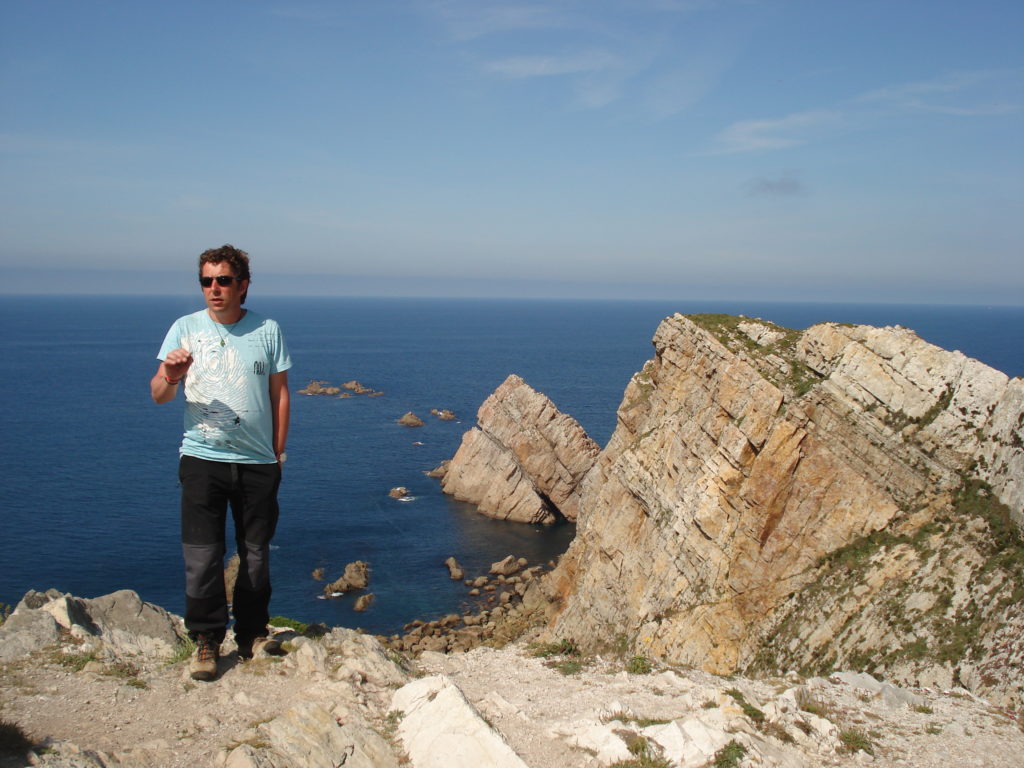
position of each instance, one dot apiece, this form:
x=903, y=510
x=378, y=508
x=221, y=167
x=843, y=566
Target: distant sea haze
x=91, y=496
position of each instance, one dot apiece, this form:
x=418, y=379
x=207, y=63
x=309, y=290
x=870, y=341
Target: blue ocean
x=90, y=497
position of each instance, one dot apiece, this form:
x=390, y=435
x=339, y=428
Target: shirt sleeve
x=172, y=341
x=282, y=361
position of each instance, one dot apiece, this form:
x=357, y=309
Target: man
x=232, y=364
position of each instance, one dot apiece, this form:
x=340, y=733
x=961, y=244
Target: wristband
x=172, y=381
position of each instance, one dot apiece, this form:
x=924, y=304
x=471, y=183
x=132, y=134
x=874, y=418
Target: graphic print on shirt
x=215, y=388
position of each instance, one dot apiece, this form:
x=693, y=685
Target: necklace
x=231, y=327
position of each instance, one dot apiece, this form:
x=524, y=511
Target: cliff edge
x=775, y=499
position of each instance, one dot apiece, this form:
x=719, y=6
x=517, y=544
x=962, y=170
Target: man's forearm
x=162, y=388
x=280, y=404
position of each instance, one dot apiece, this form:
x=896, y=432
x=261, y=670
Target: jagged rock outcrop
x=746, y=454
x=120, y=622
x=356, y=576
x=524, y=459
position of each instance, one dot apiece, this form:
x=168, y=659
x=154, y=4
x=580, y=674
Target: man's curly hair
x=235, y=257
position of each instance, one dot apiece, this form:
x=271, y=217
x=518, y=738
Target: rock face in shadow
x=524, y=459
x=752, y=464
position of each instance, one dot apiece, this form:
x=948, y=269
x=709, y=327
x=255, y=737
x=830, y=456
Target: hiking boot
x=258, y=646
x=204, y=660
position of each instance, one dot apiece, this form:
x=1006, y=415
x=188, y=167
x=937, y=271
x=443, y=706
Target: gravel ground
x=155, y=715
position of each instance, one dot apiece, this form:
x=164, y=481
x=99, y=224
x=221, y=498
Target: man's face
x=223, y=298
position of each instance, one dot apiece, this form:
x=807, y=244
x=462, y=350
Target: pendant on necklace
x=222, y=342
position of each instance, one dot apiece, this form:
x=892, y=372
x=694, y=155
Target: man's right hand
x=164, y=384
x=177, y=363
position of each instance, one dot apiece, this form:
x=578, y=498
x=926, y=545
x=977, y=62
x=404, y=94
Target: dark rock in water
x=357, y=576
x=456, y=571
x=363, y=602
x=410, y=419
x=401, y=492
x=440, y=470
x=507, y=566
x=319, y=388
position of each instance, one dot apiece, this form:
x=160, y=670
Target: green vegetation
x=570, y=664
x=567, y=666
x=183, y=651
x=749, y=710
x=799, y=379
x=641, y=722
x=76, y=661
x=558, y=648
x=730, y=755
x=855, y=740
x=639, y=665
x=924, y=709
x=949, y=630
x=938, y=407
x=286, y=623
x=808, y=703
x=646, y=755
x=777, y=731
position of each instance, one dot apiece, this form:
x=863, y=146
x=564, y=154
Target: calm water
x=90, y=496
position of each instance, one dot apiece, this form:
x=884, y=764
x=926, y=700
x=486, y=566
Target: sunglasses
x=222, y=280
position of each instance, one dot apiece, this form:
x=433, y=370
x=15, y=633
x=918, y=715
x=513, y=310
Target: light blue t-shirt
x=227, y=389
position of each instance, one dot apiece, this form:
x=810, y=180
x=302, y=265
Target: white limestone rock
x=441, y=729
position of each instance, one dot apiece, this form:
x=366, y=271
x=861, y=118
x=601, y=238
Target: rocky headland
x=771, y=500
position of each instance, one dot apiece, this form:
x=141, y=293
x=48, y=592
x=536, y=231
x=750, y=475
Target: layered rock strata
x=745, y=454
x=523, y=460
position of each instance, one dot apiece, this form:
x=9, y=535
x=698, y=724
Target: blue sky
x=820, y=150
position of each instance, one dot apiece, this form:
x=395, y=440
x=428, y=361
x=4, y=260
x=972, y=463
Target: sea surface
x=90, y=498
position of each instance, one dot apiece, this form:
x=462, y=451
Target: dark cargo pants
x=207, y=489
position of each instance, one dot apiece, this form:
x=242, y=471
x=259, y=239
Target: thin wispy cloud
x=774, y=133
x=964, y=94
x=961, y=94
x=547, y=66
x=601, y=62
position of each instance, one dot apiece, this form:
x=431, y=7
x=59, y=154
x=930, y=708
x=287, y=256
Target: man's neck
x=226, y=316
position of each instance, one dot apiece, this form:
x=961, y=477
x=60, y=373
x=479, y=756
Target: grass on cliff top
x=951, y=630
x=726, y=328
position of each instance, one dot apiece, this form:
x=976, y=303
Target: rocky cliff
x=524, y=459
x=773, y=498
